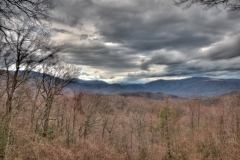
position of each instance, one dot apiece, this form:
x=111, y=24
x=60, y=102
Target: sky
x=137, y=41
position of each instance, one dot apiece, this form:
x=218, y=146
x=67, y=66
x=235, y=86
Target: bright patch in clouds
x=112, y=44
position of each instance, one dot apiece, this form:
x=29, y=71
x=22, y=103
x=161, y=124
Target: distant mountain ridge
x=149, y=95
x=190, y=87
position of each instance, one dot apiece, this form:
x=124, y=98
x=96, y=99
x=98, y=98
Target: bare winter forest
x=41, y=120
x=94, y=126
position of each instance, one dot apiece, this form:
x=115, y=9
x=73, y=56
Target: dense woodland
x=94, y=126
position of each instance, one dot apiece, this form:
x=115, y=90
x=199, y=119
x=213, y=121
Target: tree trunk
x=46, y=117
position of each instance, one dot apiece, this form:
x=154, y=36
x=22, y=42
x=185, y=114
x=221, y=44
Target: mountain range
x=190, y=87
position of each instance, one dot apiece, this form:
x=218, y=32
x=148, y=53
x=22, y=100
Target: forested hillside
x=94, y=126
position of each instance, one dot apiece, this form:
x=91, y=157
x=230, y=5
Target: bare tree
x=76, y=111
x=24, y=45
x=34, y=10
x=90, y=116
x=26, y=48
x=54, y=79
x=226, y=4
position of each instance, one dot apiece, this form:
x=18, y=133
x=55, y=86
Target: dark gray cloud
x=72, y=12
x=139, y=36
x=100, y=56
x=83, y=36
x=222, y=68
x=164, y=57
x=226, y=49
x=162, y=26
x=61, y=30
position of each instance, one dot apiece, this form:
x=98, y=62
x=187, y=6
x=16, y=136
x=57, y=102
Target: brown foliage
x=94, y=126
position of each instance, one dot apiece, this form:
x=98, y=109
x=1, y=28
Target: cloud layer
x=141, y=40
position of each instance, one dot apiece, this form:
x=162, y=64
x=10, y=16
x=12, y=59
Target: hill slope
x=190, y=87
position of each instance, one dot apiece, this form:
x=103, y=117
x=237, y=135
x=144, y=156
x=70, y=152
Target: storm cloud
x=139, y=39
